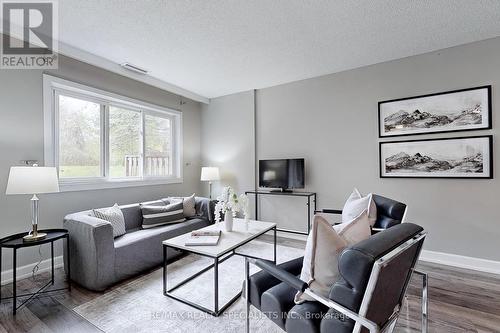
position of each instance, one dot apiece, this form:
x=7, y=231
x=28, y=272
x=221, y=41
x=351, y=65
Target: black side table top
x=16, y=241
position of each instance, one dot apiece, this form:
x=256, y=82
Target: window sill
x=84, y=185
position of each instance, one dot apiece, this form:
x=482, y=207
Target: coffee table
x=229, y=242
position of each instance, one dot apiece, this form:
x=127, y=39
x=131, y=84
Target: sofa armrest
x=91, y=249
x=205, y=208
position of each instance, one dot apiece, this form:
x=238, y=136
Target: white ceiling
x=219, y=47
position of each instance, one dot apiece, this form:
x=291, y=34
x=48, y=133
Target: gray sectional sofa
x=98, y=260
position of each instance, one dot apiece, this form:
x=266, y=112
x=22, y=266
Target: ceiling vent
x=134, y=68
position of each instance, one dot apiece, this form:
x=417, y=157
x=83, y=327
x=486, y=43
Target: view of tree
x=79, y=138
x=80, y=141
x=124, y=138
x=158, y=142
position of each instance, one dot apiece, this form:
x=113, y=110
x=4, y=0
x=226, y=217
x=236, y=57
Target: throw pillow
x=324, y=244
x=114, y=216
x=188, y=204
x=356, y=204
x=156, y=215
x=356, y=230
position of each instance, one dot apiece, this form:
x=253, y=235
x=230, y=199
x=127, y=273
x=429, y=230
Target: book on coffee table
x=203, y=238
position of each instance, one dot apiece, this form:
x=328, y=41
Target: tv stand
x=309, y=195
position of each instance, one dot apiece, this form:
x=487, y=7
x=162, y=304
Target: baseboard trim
x=477, y=264
x=26, y=271
x=290, y=235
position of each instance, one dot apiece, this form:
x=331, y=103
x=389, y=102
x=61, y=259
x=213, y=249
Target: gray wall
x=228, y=140
x=332, y=122
x=21, y=138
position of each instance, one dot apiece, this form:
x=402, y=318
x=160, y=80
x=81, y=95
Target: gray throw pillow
x=114, y=216
x=157, y=215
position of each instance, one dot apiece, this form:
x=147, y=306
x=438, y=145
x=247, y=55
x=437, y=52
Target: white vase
x=228, y=220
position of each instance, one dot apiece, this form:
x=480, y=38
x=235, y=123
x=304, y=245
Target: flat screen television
x=283, y=174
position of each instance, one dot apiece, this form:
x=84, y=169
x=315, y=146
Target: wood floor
x=459, y=301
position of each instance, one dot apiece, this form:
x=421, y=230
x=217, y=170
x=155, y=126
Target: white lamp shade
x=209, y=173
x=32, y=180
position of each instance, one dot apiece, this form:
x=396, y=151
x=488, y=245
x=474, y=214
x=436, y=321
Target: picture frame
x=452, y=158
x=444, y=112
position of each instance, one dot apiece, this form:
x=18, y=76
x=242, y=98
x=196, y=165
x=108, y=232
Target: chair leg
x=425, y=302
x=392, y=326
x=247, y=296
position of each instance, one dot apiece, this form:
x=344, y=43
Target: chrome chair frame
x=360, y=318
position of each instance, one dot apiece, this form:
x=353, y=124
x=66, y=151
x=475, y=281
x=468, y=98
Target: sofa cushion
x=133, y=216
x=142, y=249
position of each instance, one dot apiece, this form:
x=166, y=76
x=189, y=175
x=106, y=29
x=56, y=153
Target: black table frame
x=215, y=265
x=308, y=195
x=48, y=239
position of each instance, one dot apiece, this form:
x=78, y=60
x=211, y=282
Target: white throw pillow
x=114, y=216
x=324, y=244
x=188, y=204
x=356, y=204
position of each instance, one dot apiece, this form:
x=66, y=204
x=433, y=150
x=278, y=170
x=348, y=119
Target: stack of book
x=203, y=238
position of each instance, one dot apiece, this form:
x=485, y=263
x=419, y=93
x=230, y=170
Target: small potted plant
x=229, y=204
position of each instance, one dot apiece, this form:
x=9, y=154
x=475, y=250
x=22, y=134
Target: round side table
x=16, y=242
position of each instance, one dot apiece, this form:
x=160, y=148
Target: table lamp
x=32, y=180
x=210, y=174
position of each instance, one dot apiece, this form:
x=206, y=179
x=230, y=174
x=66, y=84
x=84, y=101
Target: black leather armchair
x=389, y=212
x=368, y=297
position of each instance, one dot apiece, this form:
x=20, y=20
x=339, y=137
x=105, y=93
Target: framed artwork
x=451, y=111
x=465, y=157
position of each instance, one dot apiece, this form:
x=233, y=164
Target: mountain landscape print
x=451, y=111
x=441, y=158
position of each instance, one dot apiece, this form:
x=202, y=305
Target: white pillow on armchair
x=356, y=204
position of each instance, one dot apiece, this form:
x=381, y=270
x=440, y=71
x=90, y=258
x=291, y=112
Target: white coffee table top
x=228, y=240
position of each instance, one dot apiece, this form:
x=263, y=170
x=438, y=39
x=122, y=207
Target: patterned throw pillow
x=113, y=215
x=157, y=215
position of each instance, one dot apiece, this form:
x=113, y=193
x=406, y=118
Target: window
x=125, y=147
x=158, y=146
x=79, y=138
x=100, y=140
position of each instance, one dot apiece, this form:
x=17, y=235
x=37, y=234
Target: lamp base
x=33, y=238
x=34, y=235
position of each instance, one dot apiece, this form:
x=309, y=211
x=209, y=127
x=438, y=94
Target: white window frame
x=55, y=86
